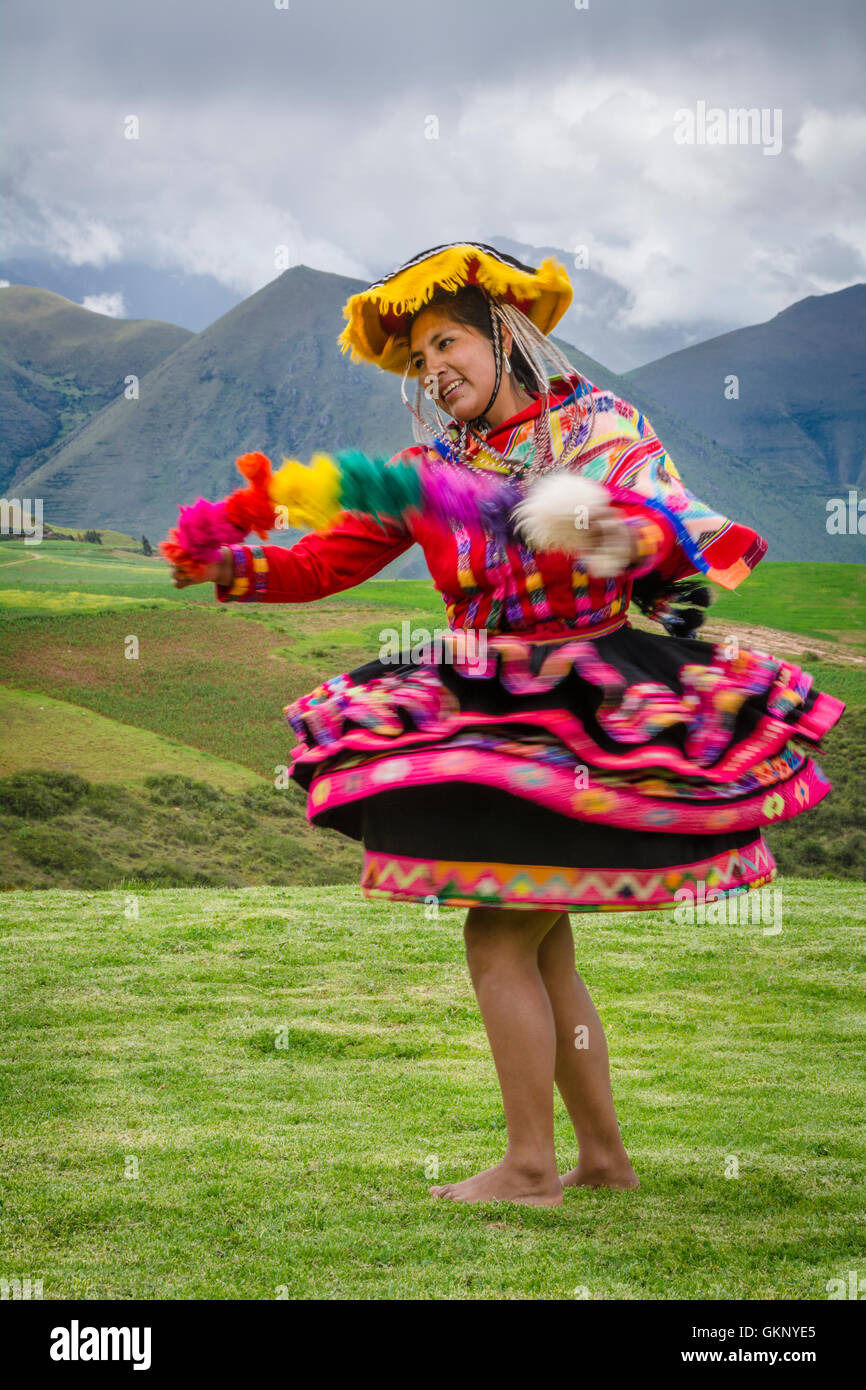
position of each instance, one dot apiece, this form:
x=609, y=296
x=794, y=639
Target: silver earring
x=507, y=365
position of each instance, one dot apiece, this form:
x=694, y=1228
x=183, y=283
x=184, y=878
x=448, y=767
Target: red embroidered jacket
x=485, y=583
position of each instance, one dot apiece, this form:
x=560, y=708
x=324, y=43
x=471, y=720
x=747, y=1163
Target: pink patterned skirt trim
x=460, y=883
x=769, y=737
x=554, y=787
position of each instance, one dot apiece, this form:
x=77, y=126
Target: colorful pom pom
x=205, y=527
x=377, y=488
x=460, y=495
x=250, y=508
x=307, y=496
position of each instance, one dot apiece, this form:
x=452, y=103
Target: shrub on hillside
x=52, y=847
x=167, y=875
x=830, y=839
x=40, y=794
x=271, y=802
x=113, y=803
x=173, y=789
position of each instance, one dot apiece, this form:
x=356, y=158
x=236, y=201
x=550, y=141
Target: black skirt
x=623, y=772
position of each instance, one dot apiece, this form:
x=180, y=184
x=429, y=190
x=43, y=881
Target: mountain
x=146, y=291
x=60, y=365
x=800, y=415
x=599, y=319
x=268, y=375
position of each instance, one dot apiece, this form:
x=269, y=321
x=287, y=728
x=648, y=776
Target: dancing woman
x=568, y=761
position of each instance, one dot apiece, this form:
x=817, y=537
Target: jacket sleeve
x=322, y=563
x=655, y=538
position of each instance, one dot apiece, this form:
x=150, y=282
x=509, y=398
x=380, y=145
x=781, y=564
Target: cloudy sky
x=357, y=134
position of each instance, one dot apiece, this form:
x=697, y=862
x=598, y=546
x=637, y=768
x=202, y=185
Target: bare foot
x=602, y=1173
x=505, y=1183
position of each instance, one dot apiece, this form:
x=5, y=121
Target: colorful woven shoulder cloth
x=627, y=456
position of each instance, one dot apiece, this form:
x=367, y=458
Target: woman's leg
x=502, y=954
x=582, y=1067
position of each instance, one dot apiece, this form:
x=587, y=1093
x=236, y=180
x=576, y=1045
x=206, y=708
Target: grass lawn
x=243, y=1092
x=807, y=598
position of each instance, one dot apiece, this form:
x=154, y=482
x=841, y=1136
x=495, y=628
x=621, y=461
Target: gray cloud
x=308, y=129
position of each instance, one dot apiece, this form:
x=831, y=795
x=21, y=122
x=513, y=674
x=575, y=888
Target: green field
x=809, y=599
x=53, y=734
x=237, y=1094
x=31, y=575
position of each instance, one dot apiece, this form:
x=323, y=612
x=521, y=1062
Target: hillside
x=601, y=318
x=267, y=375
x=60, y=365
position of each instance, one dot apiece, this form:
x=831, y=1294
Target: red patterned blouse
x=485, y=581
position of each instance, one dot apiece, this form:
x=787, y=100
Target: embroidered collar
x=502, y=436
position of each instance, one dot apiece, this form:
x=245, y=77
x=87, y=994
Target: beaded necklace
x=452, y=449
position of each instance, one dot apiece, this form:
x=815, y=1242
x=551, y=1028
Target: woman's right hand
x=223, y=572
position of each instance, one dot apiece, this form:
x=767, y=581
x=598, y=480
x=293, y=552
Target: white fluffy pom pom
x=568, y=512
x=557, y=511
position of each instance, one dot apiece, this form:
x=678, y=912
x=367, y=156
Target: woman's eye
x=442, y=343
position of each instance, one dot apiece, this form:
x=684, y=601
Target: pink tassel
x=203, y=528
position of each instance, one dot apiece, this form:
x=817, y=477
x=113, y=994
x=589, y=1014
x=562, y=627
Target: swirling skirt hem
x=767, y=739
x=336, y=794
x=462, y=883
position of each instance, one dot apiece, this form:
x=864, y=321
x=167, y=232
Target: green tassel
x=376, y=488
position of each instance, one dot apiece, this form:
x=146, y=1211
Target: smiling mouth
x=454, y=386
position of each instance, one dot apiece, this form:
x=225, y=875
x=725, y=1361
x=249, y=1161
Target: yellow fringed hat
x=377, y=328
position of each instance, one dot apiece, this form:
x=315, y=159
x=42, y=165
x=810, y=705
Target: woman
x=573, y=762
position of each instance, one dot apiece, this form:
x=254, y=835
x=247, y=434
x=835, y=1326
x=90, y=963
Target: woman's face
x=458, y=358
